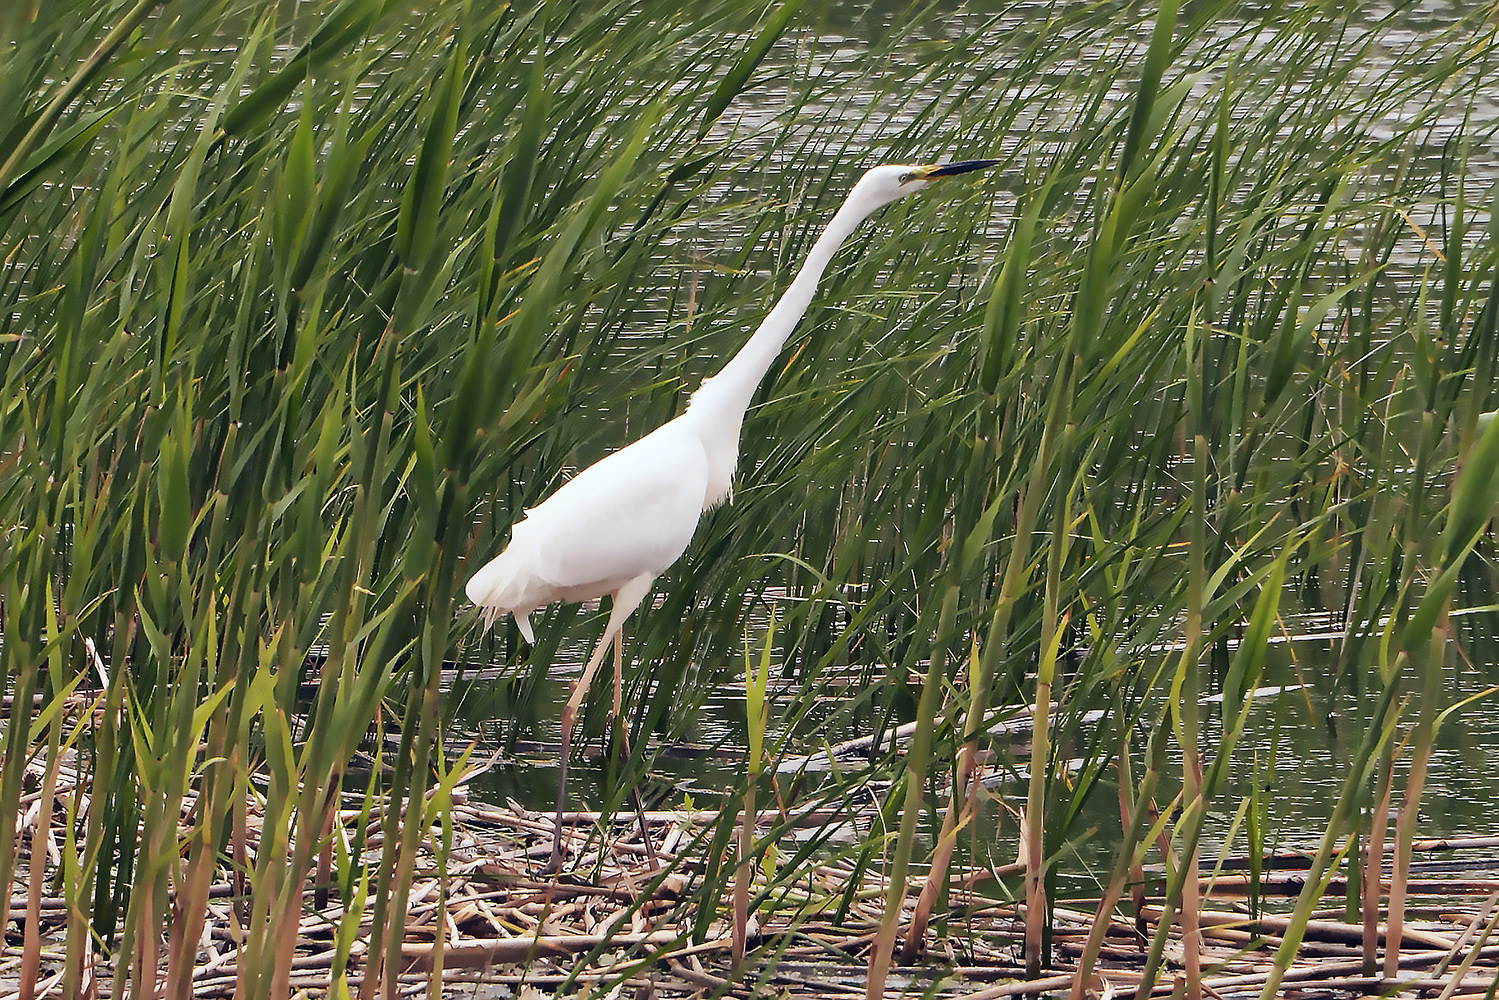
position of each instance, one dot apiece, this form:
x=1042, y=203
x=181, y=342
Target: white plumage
x=620, y=523
x=657, y=488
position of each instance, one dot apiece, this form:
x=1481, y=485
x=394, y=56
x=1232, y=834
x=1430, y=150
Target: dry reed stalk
x=1480, y=919
x=1331, y=931
x=473, y=953
x=41, y=834
x=960, y=810
x=1239, y=886
x=1422, y=738
x=744, y=873
x=1035, y=810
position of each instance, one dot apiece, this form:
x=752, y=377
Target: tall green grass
x=301, y=306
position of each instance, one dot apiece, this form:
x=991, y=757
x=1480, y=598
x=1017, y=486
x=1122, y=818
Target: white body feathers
x=574, y=548
x=620, y=523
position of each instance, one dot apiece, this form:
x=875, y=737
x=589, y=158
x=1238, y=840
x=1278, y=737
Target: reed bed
x=301, y=304
x=480, y=911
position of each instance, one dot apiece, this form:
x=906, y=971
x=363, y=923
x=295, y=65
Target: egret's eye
x=908, y=177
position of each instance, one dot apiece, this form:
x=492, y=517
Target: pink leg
x=624, y=744
x=569, y=718
x=626, y=600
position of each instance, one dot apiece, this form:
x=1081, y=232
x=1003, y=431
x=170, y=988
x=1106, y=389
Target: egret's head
x=896, y=180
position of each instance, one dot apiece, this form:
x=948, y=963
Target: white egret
x=617, y=525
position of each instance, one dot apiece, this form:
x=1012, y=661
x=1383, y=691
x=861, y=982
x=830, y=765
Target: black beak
x=949, y=169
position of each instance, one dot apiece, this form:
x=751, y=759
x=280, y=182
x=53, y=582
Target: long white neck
x=717, y=408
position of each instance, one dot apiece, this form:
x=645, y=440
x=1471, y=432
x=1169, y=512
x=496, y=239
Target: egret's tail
x=497, y=590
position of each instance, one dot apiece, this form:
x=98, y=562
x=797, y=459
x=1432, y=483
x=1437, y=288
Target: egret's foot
x=554, y=863
x=624, y=755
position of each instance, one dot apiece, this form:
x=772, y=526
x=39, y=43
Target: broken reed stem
x=41, y=834
x=1035, y=808
x=959, y=805
x=744, y=873
x=1127, y=867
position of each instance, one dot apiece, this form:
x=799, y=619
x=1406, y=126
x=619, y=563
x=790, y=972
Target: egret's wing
x=631, y=513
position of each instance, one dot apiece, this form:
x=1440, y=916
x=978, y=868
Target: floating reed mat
x=482, y=910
